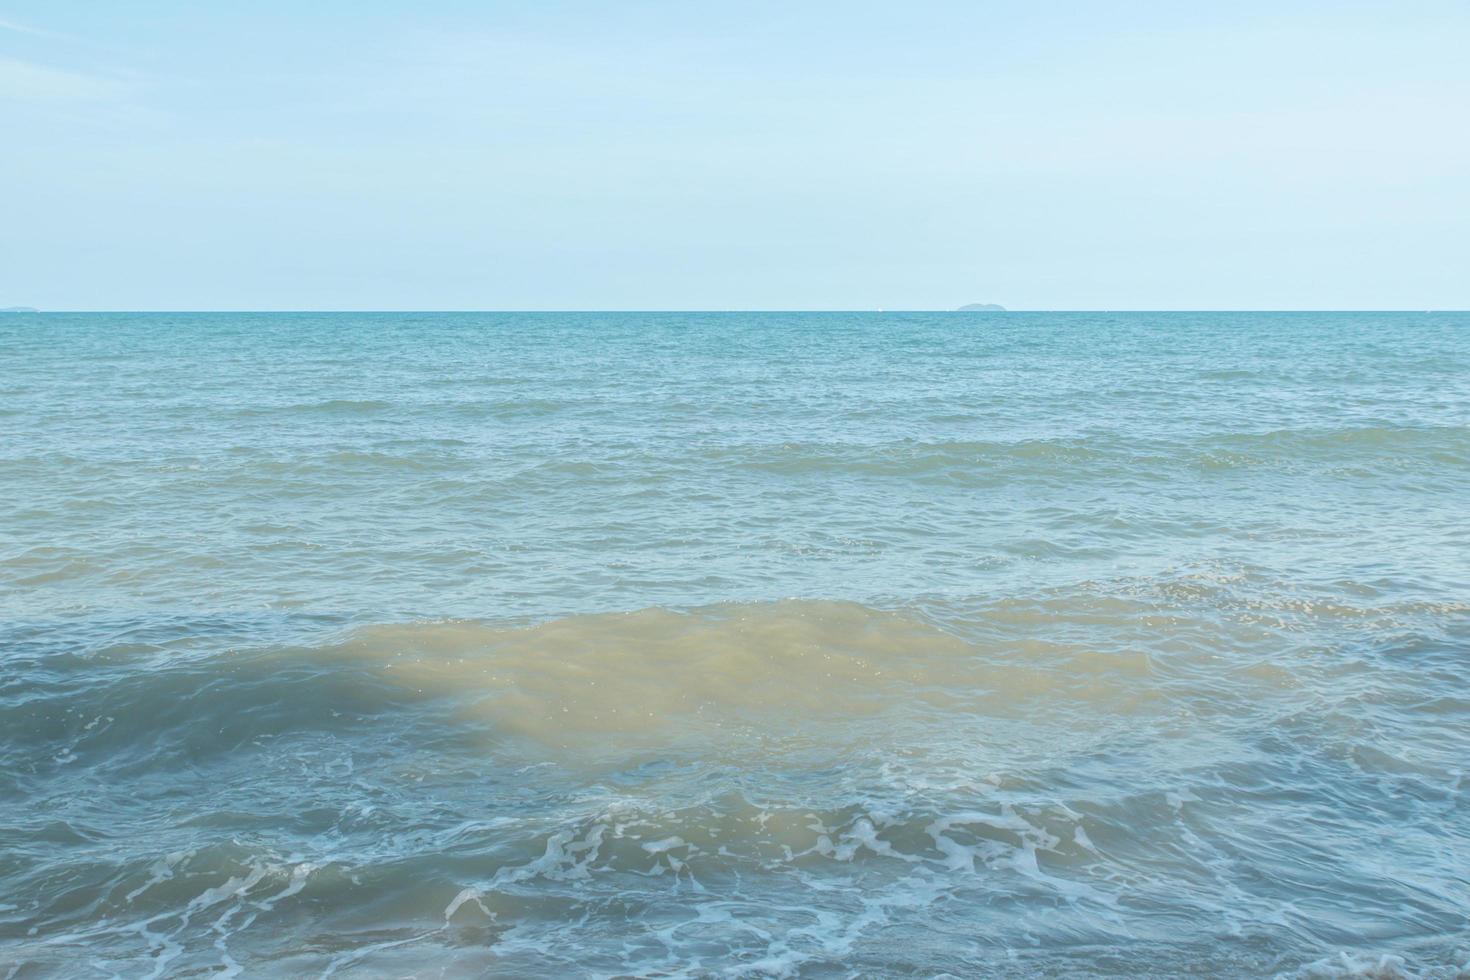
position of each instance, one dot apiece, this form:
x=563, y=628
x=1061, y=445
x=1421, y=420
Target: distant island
x=18, y=309
x=981, y=308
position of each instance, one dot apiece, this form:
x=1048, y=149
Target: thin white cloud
x=25, y=81
x=10, y=25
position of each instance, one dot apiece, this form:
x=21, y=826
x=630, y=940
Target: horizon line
x=325, y=310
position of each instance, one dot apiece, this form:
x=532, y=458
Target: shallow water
x=735, y=644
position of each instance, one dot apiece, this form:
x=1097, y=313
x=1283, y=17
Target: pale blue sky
x=760, y=155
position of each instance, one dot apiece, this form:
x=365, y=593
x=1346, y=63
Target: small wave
x=325, y=407
x=1441, y=445
x=343, y=405
x=904, y=459
x=1346, y=966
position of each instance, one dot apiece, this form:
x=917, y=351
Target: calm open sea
x=831, y=645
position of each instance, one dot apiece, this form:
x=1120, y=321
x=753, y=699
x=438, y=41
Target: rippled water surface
x=829, y=645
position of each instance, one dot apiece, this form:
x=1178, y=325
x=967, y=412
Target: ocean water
x=695, y=645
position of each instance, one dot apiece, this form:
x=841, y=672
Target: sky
x=557, y=155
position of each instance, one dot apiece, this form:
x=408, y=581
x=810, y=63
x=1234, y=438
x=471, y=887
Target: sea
x=734, y=645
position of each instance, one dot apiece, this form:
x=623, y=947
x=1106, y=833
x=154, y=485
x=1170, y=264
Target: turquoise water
x=734, y=644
